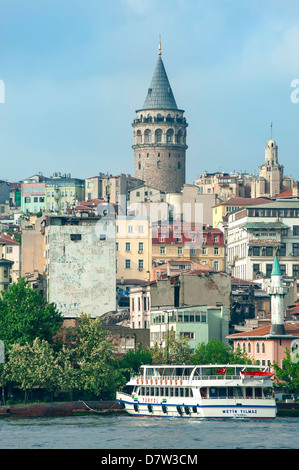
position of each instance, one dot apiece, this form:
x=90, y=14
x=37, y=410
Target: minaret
x=160, y=135
x=277, y=293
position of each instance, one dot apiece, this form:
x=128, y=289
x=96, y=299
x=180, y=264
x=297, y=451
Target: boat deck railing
x=185, y=378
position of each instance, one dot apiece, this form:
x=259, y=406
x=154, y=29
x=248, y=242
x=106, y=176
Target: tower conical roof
x=160, y=95
x=276, y=271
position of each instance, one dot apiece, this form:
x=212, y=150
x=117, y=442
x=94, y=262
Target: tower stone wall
x=160, y=148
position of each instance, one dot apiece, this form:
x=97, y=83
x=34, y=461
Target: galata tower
x=160, y=136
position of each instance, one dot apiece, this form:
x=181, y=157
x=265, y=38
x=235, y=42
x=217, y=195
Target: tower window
x=159, y=165
x=179, y=165
x=159, y=155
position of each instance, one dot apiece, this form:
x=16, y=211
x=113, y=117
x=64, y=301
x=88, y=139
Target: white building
x=257, y=233
x=80, y=265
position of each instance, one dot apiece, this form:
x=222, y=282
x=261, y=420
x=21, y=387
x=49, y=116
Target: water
x=127, y=432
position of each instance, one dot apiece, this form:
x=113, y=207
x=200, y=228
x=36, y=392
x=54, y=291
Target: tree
x=216, y=352
x=287, y=377
x=94, y=352
x=176, y=351
x=25, y=315
x=39, y=365
x=133, y=360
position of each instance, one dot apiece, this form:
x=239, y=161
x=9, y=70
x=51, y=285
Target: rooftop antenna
x=160, y=48
x=271, y=130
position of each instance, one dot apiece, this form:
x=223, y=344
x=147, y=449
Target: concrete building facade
x=80, y=263
x=257, y=233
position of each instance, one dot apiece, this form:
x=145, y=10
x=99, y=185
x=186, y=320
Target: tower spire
x=160, y=48
x=271, y=130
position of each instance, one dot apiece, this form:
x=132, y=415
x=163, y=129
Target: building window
x=216, y=251
x=127, y=264
x=75, y=237
x=140, y=264
x=128, y=246
x=27, y=200
x=204, y=250
x=140, y=246
x=283, y=250
x=162, y=250
x=296, y=230
x=216, y=265
x=268, y=270
x=216, y=239
x=256, y=268
x=256, y=251
x=117, y=246
x=180, y=250
x=295, y=249
x=257, y=348
x=269, y=251
x=295, y=270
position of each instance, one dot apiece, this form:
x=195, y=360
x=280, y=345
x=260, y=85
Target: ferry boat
x=205, y=391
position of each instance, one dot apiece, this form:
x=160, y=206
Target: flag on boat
x=221, y=371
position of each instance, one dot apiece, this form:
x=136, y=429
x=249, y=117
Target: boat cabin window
x=165, y=391
x=248, y=392
x=128, y=389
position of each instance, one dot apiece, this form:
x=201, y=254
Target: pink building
x=260, y=345
x=267, y=344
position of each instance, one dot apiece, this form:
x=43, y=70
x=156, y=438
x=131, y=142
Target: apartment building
x=80, y=265
x=257, y=233
x=197, y=323
x=225, y=185
x=62, y=191
x=133, y=248
x=33, y=194
x=224, y=209
x=5, y=267
x=113, y=189
x=12, y=252
x=202, y=244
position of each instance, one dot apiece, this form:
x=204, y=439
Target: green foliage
x=133, y=360
x=287, y=377
x=95, y=352
x=216, y=352
x=38, y=365
x=25, y=315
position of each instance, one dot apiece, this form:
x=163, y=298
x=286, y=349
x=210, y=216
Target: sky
x=73, y=73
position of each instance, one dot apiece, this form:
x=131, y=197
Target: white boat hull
x=211, y=410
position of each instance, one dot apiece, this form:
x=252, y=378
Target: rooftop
x=160, y=95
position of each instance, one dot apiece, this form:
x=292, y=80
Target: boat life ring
x=176, y=382
x=141, y=381
x=181, y=382
x=165, y=381
x=170, y=382
x=146, y=381
x=161, y=381
x=151, y=381
x=137, y=381
x=156, y=381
